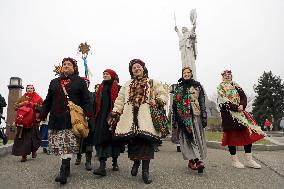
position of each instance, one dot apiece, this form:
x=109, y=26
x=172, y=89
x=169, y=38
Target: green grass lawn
x=217, y=136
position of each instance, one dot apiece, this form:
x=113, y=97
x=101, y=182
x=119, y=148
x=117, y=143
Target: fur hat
x=137, y=61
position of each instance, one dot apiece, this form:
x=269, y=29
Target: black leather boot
x=102, y=169
x=134, y=170
x=78, y=159
x=145, y=171
x=114, y=164
x=88, y=163
x=62, y=177
x=5, y=139
x=68, y=166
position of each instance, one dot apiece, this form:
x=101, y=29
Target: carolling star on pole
x=84, y=49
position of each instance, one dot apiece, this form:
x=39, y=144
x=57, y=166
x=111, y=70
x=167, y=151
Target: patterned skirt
x=63, y=142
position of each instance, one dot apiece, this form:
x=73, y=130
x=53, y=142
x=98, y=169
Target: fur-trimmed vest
x=137, y=121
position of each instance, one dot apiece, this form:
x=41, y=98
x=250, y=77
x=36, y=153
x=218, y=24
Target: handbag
x=25, y=116
x=78, y=121
x=158, y=114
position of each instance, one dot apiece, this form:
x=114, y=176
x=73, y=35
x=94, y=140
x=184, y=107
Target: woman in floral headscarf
x=131, y=112
x=239, y=128
x=27, y=139
x=190, y=116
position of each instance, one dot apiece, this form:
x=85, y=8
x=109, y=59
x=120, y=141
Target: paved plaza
x=168, y=170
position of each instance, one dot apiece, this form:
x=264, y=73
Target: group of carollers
x=119, y=116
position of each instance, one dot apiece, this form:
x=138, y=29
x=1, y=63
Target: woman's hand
x=240, y=108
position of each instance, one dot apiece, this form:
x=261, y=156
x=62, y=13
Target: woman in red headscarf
x=103, y=140
x=27, y=139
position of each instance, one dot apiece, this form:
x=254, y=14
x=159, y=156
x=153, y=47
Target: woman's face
x=67, y=68
x=137, y=70
x=106, y=76
x=30, y=89
x=186, y=74
x=227, y=76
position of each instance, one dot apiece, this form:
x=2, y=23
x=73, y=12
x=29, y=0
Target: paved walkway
x=168, y=170
x=276, y=140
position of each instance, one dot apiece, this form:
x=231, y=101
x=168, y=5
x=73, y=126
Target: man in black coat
x=2, y=105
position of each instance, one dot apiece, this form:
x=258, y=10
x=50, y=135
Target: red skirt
x=240, y=137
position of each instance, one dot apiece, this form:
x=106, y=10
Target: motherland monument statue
x=187, y=43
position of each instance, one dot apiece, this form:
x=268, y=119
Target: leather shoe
x=192, y=164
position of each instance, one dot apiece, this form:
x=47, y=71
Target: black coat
x=103, y=134
x=2, y=105
x=91, y=122
x=56, y=101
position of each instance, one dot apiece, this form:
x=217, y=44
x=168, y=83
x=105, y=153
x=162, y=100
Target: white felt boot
x=250, y=162
x=236, y=163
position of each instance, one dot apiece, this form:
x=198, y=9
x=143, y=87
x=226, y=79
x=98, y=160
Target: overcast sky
x=246, y=36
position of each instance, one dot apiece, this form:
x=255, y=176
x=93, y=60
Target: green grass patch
x=217, y=136
x=214, y=121
x=9, y=142
x=213, y=136
x=263, y=141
